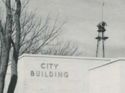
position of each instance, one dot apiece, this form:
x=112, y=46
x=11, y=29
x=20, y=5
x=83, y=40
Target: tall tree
x=16, y=47
x=5, y=34
x=28, y=34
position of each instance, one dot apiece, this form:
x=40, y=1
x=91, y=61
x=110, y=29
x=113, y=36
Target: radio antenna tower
x=101, y=37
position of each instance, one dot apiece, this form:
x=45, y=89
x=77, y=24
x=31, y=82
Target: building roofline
x=64, y=57
x=109, y=63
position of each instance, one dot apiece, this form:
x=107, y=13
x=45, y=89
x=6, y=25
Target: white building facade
x=59, y=74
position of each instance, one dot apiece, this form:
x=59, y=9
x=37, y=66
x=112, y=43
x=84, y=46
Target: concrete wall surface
x=108, y=78
x=54, y=74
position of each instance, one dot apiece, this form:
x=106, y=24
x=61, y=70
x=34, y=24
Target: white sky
x=81, y=18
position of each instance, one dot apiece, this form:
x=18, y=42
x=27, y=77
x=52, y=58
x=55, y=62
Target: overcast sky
x=81, y=18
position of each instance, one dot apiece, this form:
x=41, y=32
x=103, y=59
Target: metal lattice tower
x=101, y=37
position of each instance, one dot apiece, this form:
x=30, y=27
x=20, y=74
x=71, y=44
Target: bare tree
x=63, y=48
x=5, y=34
x=42, y=34
x=16, y=47
x=37, y=33
x=27, y=33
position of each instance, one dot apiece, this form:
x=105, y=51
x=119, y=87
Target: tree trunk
x=4, y=61
x=3, y=68
x=5, y=35
x=13, y=81
x=16, y=48
x=12, y=84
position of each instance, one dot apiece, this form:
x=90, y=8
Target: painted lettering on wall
x=49, y=70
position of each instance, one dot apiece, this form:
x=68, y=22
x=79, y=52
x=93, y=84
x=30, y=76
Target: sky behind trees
x=82, y=17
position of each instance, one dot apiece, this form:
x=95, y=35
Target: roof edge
x=109, y=63
x=64, y=57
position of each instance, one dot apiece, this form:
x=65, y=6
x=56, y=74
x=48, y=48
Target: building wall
x=106, y=78
x=122, y=76
x=76, y=67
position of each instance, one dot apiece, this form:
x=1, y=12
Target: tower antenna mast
x=103, y=4
x=101, y=30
